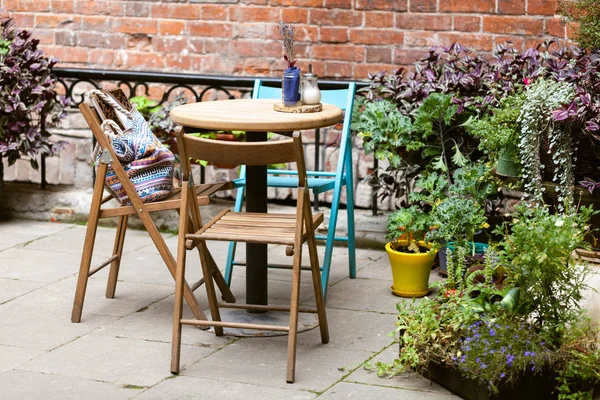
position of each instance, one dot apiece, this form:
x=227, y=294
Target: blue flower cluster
x=492, y=351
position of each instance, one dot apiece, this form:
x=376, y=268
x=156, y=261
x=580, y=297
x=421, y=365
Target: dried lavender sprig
x=288, y=31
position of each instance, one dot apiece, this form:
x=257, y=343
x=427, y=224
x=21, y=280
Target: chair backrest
x=246, y=153
x=342, y=98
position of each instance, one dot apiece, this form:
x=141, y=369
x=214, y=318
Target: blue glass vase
x=291, y=86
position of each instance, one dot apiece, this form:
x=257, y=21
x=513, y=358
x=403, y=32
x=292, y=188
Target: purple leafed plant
x=590, y=184
x=28, y=103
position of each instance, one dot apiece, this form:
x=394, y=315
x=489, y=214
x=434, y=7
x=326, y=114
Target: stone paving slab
x=14, y=356
x=122, y=347
x=193, y=388
x=71, y=241
x=359, y=330
x=19, y=232
x=363, y=295
x=13, y=288
x=29, y=385
x=264, y=360
x=155, y=323
x=103, y=357
x=406, y=381
x=360, y=391
x=41, y=320
x=37, y=265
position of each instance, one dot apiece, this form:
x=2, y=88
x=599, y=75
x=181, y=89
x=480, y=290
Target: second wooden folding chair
x=292, y=230
x=139, y=208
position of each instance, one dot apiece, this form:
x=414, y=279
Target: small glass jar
x=310, y=89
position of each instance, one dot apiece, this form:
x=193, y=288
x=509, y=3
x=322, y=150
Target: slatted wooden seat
x=252, y=227
x=291, y=230
x=143, y=210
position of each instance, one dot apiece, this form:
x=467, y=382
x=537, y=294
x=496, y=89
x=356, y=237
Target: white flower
x=559, y=222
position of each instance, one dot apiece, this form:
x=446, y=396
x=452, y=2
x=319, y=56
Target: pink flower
x=527, y=81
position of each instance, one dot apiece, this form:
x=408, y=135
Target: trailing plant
x=541, y=98
x=28, y=103
x=586, y=16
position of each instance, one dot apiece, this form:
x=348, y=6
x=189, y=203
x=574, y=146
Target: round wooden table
x=257, y=117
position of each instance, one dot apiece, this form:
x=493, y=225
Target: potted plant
x=410, y=256
x=527, y=339
x=28, y=103
x=498, y=132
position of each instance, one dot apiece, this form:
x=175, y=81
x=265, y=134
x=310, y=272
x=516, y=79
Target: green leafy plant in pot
x=498, y=132
x=411, y=258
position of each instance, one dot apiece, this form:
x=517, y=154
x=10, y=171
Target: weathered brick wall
x=341, y=38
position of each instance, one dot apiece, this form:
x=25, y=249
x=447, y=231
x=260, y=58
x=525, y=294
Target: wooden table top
x=251, y=116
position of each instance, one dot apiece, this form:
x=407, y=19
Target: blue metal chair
x=318, y=182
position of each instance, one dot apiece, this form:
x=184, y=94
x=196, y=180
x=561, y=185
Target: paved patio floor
x=121, y=348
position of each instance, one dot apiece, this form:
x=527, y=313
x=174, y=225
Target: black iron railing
x=74, y=82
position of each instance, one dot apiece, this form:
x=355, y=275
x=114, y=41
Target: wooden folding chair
x=287, y=229
x=143, y=210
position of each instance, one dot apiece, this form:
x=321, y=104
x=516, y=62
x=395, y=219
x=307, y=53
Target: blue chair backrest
x=337, y=97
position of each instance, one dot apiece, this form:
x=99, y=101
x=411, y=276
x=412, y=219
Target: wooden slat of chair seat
x=252, y=227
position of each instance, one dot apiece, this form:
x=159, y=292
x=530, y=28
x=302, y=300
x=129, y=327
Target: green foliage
x=428, y=330
x=538, y=250
x=145, y=106
x=499, y=127
x=409, y=224
x=474, y=181
x=585, y=13
x=385, y=131
x=456, y=220
x=441, y=128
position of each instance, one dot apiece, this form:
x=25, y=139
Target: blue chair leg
x=239, y=199
x=329, y=242
x=350, y=213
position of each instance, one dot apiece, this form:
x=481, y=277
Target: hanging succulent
x=541, y=98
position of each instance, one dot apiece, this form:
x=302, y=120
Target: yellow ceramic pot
x=409, y=270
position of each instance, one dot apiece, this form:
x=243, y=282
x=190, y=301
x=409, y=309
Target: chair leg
x=210, y=286
x=329, y=243
x=117, y=251
x=88, y=244
x=350, y=213
x=179, y=285
x=316, y=279
x=294, y=304
x=239, y=199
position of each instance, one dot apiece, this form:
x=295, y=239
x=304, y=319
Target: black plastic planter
x=530, y=387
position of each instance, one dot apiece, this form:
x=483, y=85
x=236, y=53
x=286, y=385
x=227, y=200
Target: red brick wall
x=341, y=38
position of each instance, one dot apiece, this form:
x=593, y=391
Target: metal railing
x=74, y=82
